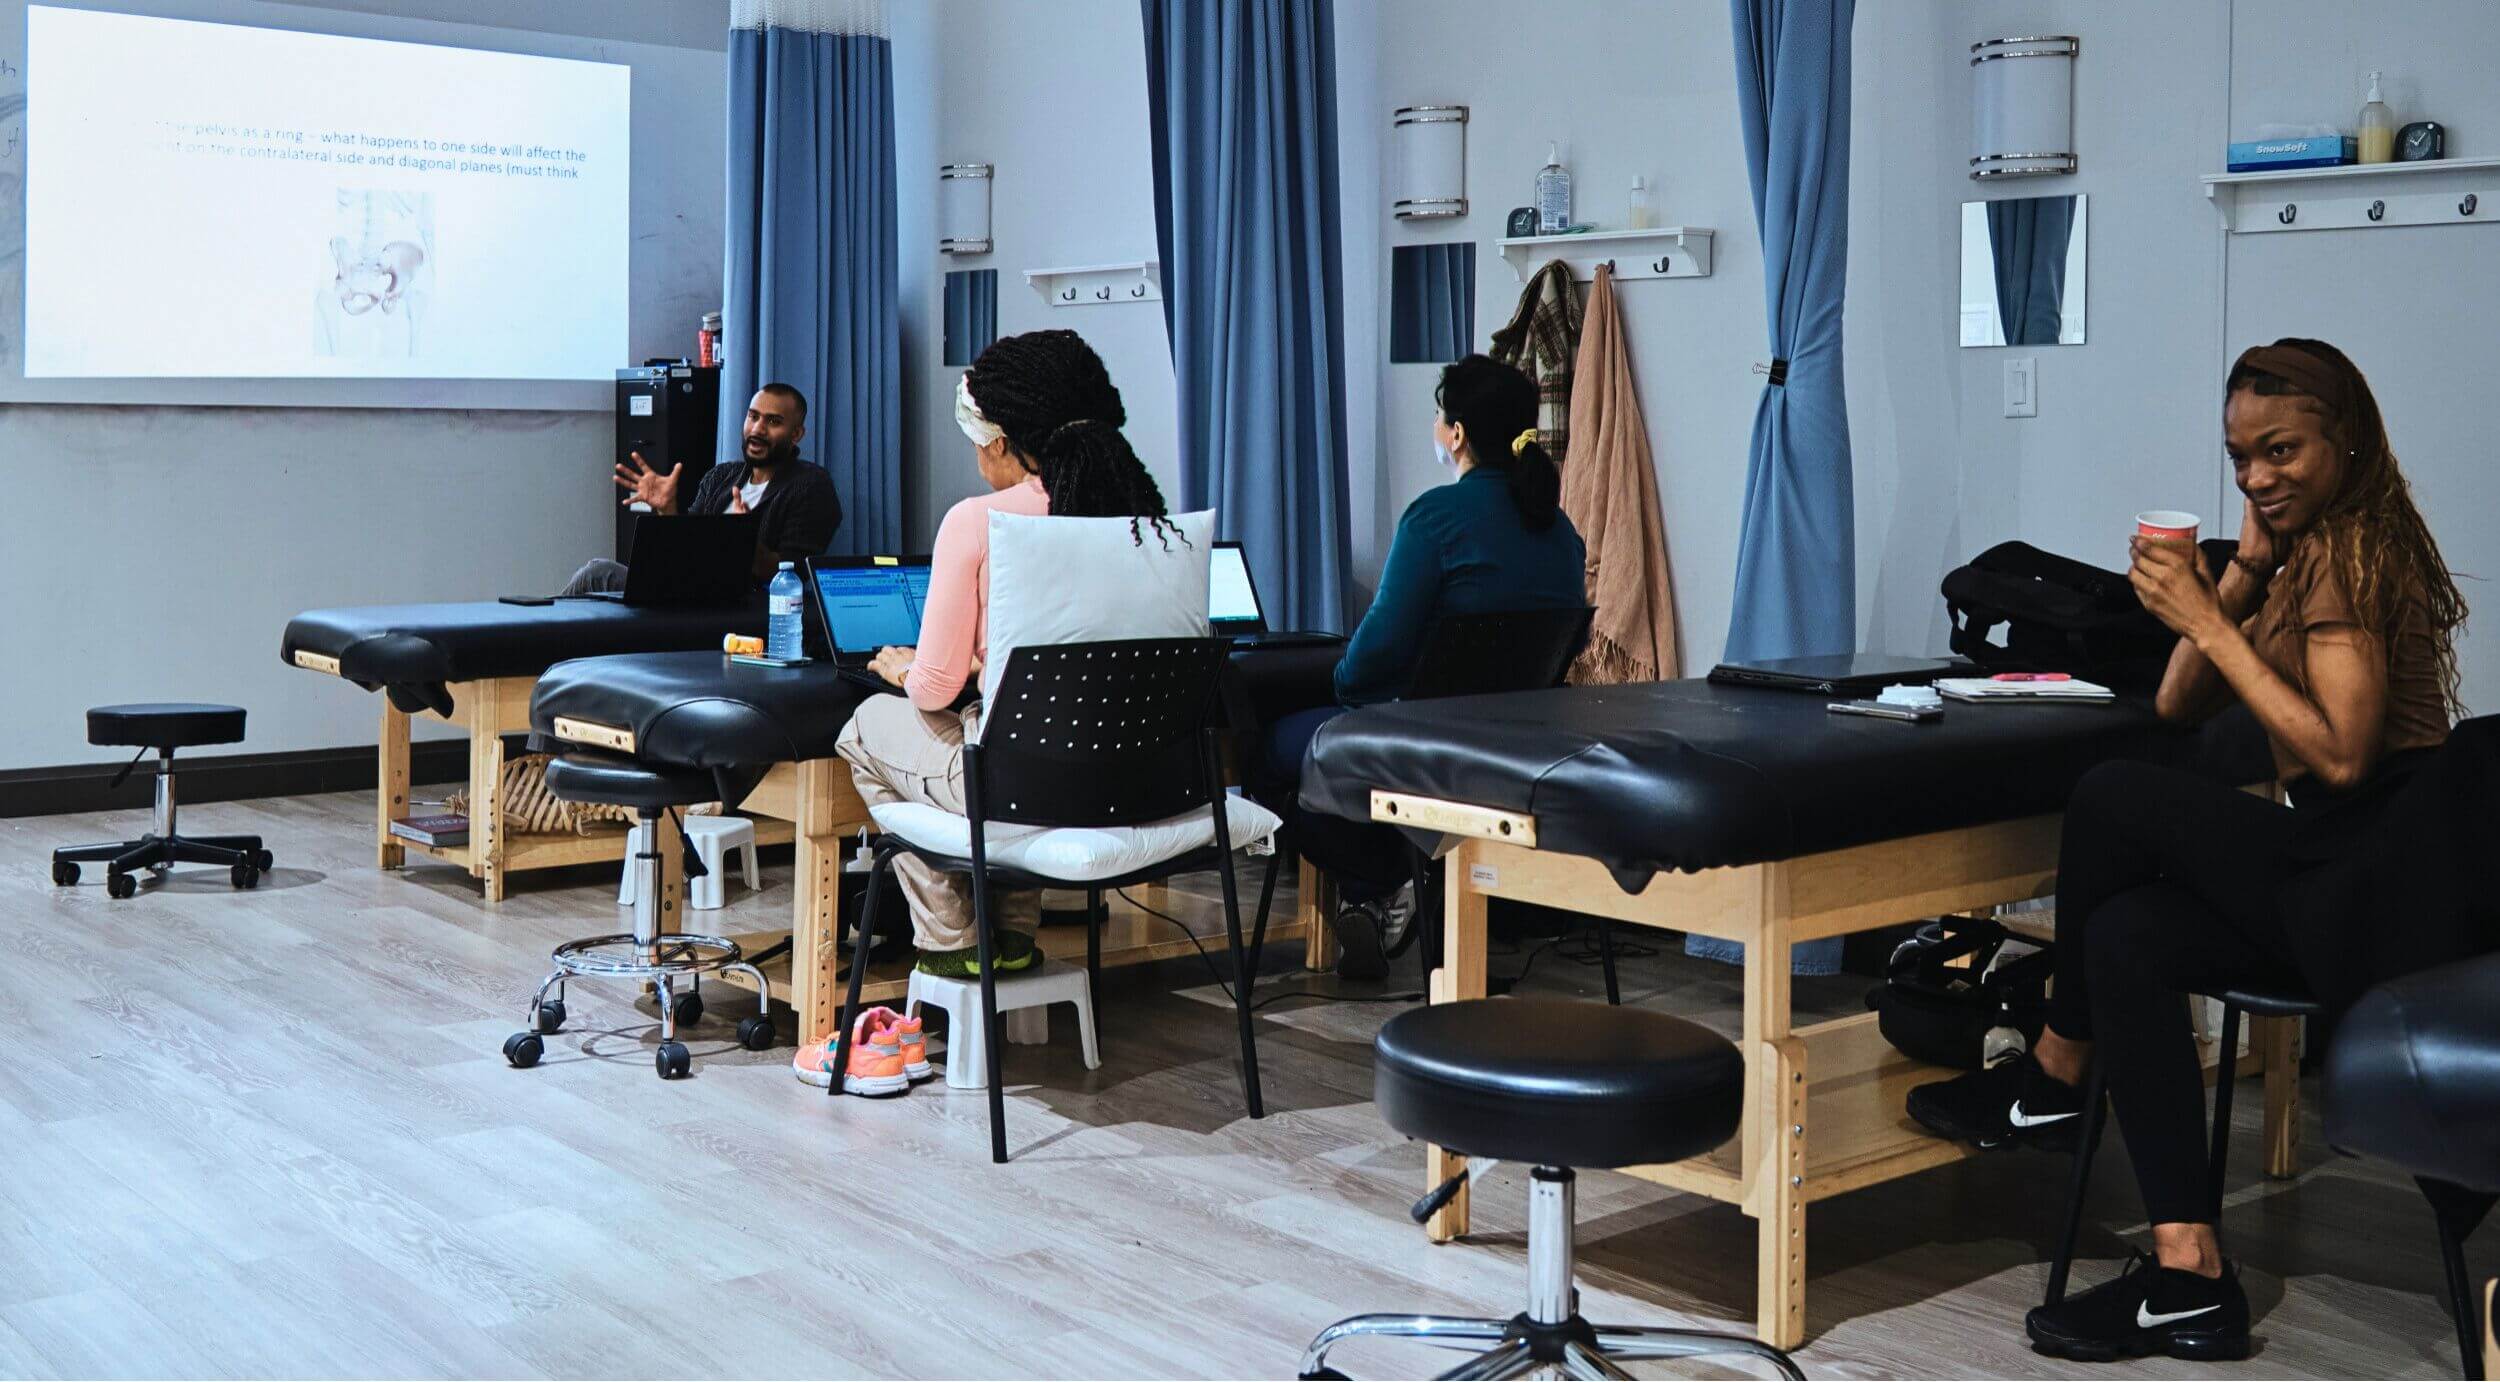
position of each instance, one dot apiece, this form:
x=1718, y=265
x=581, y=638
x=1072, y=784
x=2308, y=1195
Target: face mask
x=1442, y=454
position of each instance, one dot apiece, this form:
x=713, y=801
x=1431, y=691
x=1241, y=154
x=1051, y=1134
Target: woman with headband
x=1494, y=538
x=2335, y=624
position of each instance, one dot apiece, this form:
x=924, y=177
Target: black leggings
x=2163, y=878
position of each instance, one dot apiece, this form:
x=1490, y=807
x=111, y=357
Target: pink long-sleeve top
x=954, y=625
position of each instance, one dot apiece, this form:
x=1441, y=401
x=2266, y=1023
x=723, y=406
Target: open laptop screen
x=871, y=607
x=1231, y=598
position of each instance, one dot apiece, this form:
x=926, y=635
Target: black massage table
x=473, y=664
x=768, y=734
x=1751, y=815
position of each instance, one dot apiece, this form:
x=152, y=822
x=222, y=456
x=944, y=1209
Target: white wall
x=156, y=552
x=1055, y=97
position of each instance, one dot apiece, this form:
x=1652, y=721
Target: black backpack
x=2058, y=614
x=1942, y=1013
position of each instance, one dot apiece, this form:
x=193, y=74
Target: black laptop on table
x=1233, y=608
x=1839, y=674
x=864, y=604
x=687, y=559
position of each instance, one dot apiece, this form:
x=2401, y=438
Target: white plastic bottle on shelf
x=1641, y=216
x=784, y=624
x=1553, y=193
x=2377, y=133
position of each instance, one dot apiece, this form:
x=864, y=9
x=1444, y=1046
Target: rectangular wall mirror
x=2022, y=272
x=1432, y=302
x=971, y=314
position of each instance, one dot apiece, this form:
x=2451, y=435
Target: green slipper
x=1015, y=951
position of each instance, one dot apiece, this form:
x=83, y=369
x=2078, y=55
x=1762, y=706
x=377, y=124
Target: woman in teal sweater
x=1494, y=539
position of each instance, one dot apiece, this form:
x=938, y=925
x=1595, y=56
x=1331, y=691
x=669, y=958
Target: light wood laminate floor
x=272, y=1133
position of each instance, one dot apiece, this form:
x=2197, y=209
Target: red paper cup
x=2168, y=525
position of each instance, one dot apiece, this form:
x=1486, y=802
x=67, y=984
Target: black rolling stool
x=2270, y=1001
x=164, y=728
x=646, y=952
x=1556, y=1084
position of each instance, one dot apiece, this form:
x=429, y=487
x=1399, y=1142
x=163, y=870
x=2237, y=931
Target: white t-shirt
x=753, y=493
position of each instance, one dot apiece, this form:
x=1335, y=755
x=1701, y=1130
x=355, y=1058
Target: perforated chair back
x=1099, y=734
x=1507, y=650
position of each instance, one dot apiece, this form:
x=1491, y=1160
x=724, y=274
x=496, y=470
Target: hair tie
x=1519, y=443
x=1065, y=428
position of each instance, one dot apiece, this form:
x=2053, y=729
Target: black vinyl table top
x=1685, y=775
x=422, y=645
x=699, y=709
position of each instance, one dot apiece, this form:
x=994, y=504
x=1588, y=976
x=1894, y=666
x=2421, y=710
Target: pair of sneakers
x=889, y=1054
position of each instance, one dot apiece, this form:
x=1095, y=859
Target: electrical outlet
x=2022, y=386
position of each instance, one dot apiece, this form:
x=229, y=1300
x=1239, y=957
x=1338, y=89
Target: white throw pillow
x=1079, y=854
x=1085, y=580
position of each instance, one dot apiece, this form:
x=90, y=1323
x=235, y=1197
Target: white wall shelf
x=1097, y=284
x=2358, y=196
x=1660, y=252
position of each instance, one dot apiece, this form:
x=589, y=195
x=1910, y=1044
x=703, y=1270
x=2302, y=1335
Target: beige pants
x=899, y=752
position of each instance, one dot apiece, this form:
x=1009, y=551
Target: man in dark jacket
x=795, y=503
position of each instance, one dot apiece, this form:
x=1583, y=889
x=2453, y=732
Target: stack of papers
x=1990, y=689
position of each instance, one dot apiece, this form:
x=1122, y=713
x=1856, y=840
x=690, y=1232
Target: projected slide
x=213, y=201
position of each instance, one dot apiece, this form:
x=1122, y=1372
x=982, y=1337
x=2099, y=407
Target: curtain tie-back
x=1777, y=369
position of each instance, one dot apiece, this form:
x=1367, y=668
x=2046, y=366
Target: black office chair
x=648, y=952
x=164, y=728
x=1489, y=655
x=1555, y=1084
x=2413, y=1077
x=2255, y=1001
x=1091, y=736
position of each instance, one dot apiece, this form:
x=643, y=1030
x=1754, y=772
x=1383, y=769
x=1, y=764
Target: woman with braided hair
x=2335, y=624
x=1044, y=420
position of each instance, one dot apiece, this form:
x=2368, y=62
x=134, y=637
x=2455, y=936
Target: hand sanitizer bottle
x=2377, y=135
x=1641, y=217
x=1553, y=194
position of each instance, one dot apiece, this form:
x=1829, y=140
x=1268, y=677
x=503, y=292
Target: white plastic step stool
x=714, y=837
x=1024, y=1000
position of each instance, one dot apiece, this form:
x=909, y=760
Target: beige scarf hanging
x=1610, y=490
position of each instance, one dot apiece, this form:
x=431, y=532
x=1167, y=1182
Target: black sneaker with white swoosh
x=2149, y=1309
x=2011, y=1102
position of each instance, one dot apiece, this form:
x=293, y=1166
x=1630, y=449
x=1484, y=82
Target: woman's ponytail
x=1497, y=405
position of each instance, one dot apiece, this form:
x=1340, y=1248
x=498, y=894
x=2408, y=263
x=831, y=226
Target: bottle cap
x=2374, y=86
x=1639, y=183
x=789, y=566
x=1553, y=152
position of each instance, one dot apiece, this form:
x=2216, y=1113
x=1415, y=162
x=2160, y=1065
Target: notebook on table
x=1840, y=674
x=864, y=604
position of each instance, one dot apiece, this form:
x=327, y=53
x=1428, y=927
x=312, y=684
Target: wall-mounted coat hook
x=1661, y=266
x=1088, y=285
x=1102, y=294
x=2289, y=213
x=1138, y=291
x=1068, y=295
x=2378, y=210
x=2466, y=207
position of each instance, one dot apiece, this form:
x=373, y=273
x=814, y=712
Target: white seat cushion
x=1079, y=854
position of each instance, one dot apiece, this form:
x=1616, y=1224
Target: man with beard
x=794, y=500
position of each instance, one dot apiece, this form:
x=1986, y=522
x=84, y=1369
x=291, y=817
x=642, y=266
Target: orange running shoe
x=915, y=1042
x=876, y=1067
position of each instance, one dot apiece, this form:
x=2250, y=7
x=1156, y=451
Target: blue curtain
x=1243, y=100
x=971, y=314
x=1796, y=557
x=812, y=274
x=1432, y=302
x=2027, y=239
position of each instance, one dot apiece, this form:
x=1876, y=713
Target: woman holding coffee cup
x=2334, y=623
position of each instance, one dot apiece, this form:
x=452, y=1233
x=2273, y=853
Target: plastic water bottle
x=783, y=622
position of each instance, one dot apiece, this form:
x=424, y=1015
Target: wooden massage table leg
x=483, y=714
x=2277, y=1037
x=1460, y=976
x=390, y=797
x=827, y=805
x=1315, y=898
x=1774, y=1133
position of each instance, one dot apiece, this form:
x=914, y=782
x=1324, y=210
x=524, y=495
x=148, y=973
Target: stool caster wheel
x=245, y=875
x=671, y=1059
x=1330, y=1374
x=689, y=1009
x=264, y=860
x=755, y=1033
x=551, y=1017
x=64, y=874
x=523, y=1049
x=120, y=885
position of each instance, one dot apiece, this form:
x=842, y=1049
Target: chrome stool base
x=1549, y=1336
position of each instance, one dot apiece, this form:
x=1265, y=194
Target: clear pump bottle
x=1553, y=193
x=2377, y=133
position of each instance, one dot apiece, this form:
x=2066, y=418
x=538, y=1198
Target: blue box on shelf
x=2272, y=155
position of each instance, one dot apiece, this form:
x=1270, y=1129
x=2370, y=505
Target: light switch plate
x=2022, y=386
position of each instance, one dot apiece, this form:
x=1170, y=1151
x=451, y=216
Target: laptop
x=687, y=559
x=864, y=604
x=1233, y=609
x=1840, y=674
